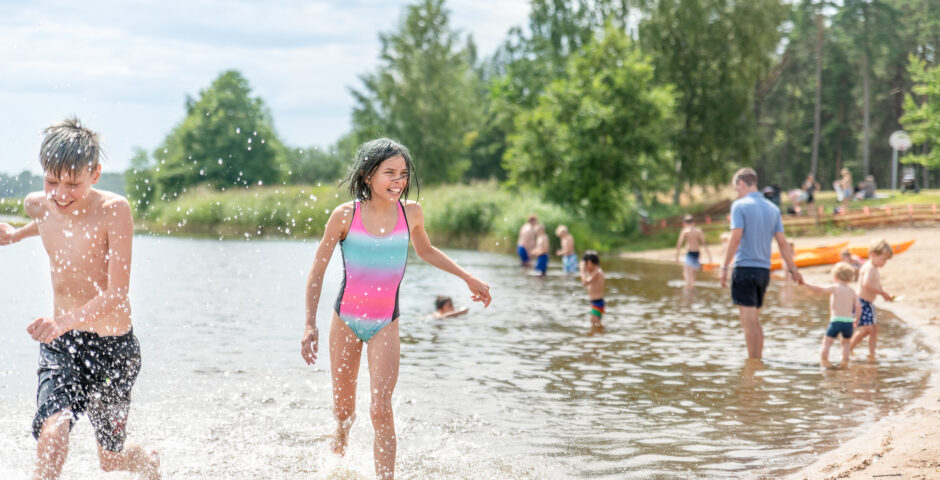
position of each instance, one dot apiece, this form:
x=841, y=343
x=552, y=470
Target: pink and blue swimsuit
x=374, y=267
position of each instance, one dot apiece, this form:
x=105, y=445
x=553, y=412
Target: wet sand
x=905, y=444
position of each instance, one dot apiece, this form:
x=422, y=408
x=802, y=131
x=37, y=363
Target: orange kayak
x=822, y=256
x=822, y=249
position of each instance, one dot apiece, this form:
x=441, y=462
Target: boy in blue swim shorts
x=844, y=311
x=869, y=287
x=694, y=238
x=541, y=251
x=526, y=242
x=569, y=259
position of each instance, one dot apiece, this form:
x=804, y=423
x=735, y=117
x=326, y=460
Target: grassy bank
x=479, y=216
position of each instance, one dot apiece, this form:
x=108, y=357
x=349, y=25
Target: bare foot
x=825, y=364
x=152, y=472
x=341, y=437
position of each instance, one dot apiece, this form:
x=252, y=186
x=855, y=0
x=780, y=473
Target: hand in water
x=309, y=345
x=44, y=329
x=479, y=291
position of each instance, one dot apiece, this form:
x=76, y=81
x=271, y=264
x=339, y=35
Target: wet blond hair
x=68, y=146
x=843, y=271
x=880, y=247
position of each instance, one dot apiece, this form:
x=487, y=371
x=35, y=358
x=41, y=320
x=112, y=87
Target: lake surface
x=521, y=390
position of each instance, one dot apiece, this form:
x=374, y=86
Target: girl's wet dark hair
x=370, y=155
x=591, y=256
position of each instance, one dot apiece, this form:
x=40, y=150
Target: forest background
x=599, y=114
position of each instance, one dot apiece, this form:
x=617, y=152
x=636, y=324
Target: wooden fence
x=864, y=217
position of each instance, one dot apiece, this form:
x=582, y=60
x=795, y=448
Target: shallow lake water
x=521, y=390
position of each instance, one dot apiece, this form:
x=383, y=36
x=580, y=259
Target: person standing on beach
x=755, y=223
x=526, y=242
x=869, y=288
x=89, y=357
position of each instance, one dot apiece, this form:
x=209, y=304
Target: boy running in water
x=88, y=355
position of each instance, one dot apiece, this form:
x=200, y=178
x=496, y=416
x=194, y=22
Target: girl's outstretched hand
x=479, y=291
x=309, y=345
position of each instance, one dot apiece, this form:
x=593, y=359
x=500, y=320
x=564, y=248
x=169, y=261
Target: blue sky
x=125, y=68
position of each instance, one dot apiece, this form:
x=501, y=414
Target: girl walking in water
x=373, y=231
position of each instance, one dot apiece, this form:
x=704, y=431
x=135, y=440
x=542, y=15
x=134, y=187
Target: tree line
x=597, y=102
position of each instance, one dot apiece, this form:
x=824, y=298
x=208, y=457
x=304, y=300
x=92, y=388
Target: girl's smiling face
x=389, y=179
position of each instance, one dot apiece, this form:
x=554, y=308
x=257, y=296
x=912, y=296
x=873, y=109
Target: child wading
x=869, y=287
x=593, y=279
x=88, y=355
x=373, y=232
x=844, y=311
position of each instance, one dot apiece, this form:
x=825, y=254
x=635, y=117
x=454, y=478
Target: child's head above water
x=590, y=256
x=443, y=302
x=369, y=158
x=69, y=149
x=843, y=271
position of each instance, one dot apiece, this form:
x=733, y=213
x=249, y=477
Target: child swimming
x=444, y=308
x=844, y=311
x=373, y=231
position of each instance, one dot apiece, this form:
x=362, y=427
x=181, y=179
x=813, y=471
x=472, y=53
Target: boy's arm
x=858, y=312
x=480, y=291
x=120, y=225
x=818, y=288
x=871, y=281
x=679, y=244
x=10, y=234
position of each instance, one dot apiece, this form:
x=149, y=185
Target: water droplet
x=238, y=131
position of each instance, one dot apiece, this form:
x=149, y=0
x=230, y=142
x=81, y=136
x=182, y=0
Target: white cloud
x=126, y=67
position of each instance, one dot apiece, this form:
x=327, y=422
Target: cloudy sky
x=125, y=68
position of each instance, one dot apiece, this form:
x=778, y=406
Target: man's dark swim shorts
x=82, y=372
x=748, y=285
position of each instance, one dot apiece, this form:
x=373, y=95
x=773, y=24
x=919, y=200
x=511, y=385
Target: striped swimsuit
x=374, y=267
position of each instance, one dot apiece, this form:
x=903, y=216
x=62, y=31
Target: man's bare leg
x=753, y=333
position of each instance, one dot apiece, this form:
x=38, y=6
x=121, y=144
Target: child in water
x=844, y=311
x=89, y=357
x=444, y=308
x=541, y=250
x=593, y=279
x=569, y=259
x=869, y=287
x=694, y=238
x=373, y=231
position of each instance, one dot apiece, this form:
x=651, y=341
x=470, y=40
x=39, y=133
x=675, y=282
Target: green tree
x=714, y=52
x=597, y=133
x=922, y=119
x=139, y=181
x=314, y=165
x=226, y=139
x=424, y=93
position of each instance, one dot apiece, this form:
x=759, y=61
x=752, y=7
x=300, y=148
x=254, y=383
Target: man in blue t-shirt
x=755, y=222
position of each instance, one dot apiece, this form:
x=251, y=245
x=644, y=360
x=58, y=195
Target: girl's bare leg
x=53, y=447
x=345, y=353
x=384, y=358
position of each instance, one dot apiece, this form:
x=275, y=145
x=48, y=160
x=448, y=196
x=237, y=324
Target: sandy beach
x=906, y=444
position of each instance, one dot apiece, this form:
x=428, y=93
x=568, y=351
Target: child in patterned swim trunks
x=869, y=287
x=593, y=279
x=844, y=311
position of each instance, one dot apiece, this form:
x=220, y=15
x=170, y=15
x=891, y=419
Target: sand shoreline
x=904, y=445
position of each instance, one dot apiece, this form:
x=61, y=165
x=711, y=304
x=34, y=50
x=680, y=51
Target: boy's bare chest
x=74, y=245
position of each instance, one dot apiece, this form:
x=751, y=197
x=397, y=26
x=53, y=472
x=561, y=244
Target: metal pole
x=894, y=169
